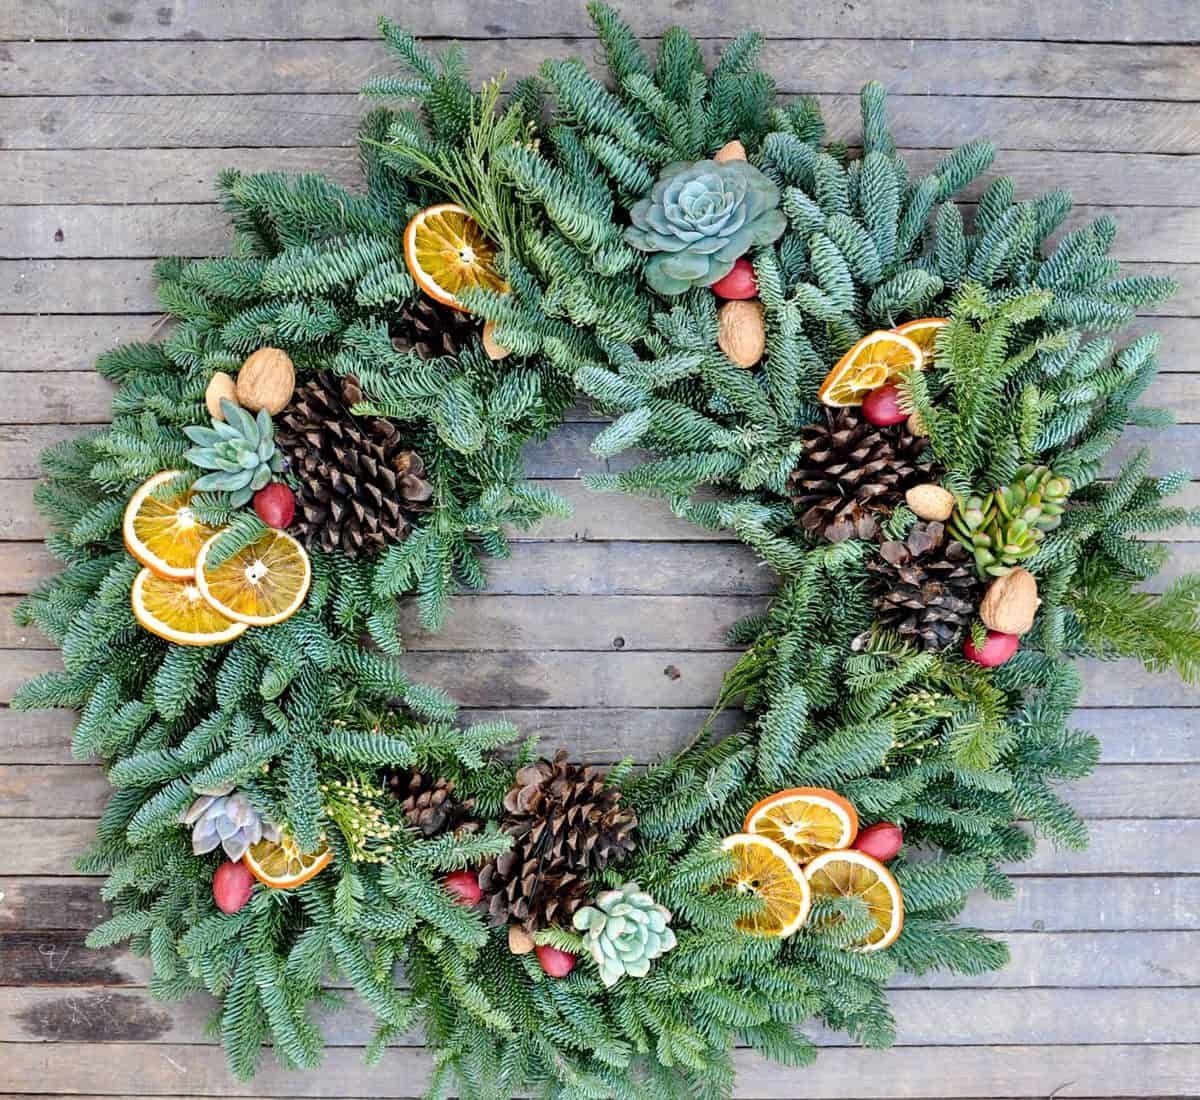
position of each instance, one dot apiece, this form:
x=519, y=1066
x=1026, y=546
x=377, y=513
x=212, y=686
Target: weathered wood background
x=603, y=632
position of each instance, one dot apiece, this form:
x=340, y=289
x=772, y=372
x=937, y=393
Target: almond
x=220, y=387
x=731, y=150
x=741, y=332
x=491, y=346
x=930, y=502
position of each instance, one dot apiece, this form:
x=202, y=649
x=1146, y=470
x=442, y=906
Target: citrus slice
x=877, y=359
x=282, y=865
x=175, y=611
x=262, y=584
x=854, y=874
x=763, y=868
x=923, y=333
x=446, y=252
x=164, y=535
x=804, y=821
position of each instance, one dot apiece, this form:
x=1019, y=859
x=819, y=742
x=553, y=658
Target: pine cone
x=927, y=587
x=564, y=823
x=429, y=803
x=358, y=482
x=432, y=330
x=852, y=473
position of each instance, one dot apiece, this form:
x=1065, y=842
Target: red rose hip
x=740, y=283
x=275, y=505
x=231, y=886
x=556, y=963
x=882, y=406
x=463, y=887
x=882, y=840
x=995, y=651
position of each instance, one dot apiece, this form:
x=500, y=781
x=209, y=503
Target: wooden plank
x=943, y=1017
x=56, y=176
x=126, y=286
x=1123, y=792
x=1142, y=21
x=799, y=65
x=1159, y=234
x=918, y=121
x=1141, y=1070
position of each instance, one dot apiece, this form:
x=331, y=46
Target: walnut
x=1011, y=602
x=741, y=334
x=220, y=387
x=266, y=381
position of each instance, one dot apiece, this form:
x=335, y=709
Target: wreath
x=901, y=415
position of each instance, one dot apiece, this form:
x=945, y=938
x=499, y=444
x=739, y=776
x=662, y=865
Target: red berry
x=275, y=505
x=231, y=886
x=739, y=283
x=995, y=651
x=556, y=963
x=882, y=841
x=463, y=886
x=882, y=406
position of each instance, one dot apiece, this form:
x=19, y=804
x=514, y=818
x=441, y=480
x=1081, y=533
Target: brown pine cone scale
x=430, y=804
x=432, y=330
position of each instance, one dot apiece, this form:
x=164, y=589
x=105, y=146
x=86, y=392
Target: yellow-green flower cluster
x=356, y=805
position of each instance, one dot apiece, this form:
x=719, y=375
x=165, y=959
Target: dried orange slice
x=877, y=359
x=262, y=584
x=447, y=252
x=854, y=874
x=176, y=611
x=164, y=535
x=763, y=868
x=804, y=821
x=282, y=865
x=923, y=333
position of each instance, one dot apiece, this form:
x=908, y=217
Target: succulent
x=220, y=817
x=239, y=449
x=1006, y=525
x=624, y=931
x=700, y=218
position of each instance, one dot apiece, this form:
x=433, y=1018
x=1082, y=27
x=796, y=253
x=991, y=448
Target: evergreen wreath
x=904, y=417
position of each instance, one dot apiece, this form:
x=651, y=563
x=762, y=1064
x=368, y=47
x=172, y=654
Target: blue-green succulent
x=240, y=450
x=624, y=931
x=699, y=218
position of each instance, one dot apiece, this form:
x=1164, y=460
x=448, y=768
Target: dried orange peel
x=804, y=821
x=854, y=874
x=176, y=612
x=164, y=534
x=447, y=253
x=281, y=865
x=765, y=869
x=261, y=585
x=877, y=359
x=923, y=332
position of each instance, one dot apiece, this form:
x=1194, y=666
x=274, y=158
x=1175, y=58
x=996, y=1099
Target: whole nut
x=731, y=150
x=1011, y=602
x=741, y=332
x=916, y=425
x=520, y=942
x=266, y=381
x=930, y=502
x=220, y=387
x=494, y=349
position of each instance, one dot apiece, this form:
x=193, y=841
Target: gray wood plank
x=57, y=176
x=1159, y=234
x=918, y=121
x=803, y=65
x=1136, y=21
x=1133, y=1070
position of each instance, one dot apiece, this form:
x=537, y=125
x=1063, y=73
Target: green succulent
x=699, y=218
x=240, y=450
x=1006, y=525
x=624, y=931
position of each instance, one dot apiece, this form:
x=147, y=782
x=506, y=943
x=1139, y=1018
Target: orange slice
x=877, y=359
x=175, y=611
x=282, y=865
x=854, y=874
x=262, y=584
x=446, y=252
x=164, y=535
x=923, y=333
x=804, y=821
x=765, y=869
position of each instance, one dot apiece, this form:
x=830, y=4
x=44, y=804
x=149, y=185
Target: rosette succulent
x=240, y=450
x=699, y=218
x=624, y=931
x=220, y=817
